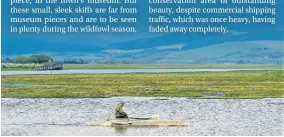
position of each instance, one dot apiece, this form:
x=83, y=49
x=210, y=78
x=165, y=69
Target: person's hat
x=121, y=103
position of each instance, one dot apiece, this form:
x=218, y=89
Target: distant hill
x=242, y=52
x=245, y=52
x=157, y=48
x=244, y=46
x=255, y=52
x=197, y=40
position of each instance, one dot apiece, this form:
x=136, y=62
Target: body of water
x=119, y=71
x=208, y=116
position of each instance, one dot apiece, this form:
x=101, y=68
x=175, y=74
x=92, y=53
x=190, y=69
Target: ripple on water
x=208, y=116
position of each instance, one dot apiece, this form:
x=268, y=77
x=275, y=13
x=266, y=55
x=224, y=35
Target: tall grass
x=14, y=65
x=243, y=84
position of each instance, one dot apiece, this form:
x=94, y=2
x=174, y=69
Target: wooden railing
x=53, y=66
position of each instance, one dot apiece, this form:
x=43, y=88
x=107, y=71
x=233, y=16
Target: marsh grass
x=238, y=84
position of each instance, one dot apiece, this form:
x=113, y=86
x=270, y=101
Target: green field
x=238, y=84
x=158, y=66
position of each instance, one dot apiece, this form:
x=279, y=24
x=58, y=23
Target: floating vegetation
x=235, y=84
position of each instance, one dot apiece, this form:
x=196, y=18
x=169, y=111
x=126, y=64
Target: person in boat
x=119, y=113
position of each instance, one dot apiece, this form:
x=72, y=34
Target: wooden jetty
x=53, y=66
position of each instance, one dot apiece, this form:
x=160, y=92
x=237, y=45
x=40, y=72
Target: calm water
x=208, y=116
x=109, y=71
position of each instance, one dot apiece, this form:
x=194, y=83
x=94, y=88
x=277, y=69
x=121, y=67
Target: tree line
x=36, y=58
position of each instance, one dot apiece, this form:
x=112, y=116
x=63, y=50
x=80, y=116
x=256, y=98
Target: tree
x=39, y=58
x=21, y=59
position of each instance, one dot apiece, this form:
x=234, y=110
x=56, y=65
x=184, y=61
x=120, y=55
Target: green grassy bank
x=238, y=84
x=157, y=66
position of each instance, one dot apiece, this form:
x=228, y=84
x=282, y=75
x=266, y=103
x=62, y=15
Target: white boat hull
x=141, y=123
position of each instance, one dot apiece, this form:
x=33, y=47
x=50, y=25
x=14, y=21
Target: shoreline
x=161, y=66
x=126, y=71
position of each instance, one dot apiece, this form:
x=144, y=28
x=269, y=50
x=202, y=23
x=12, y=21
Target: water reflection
x=57, y=117
x=120, y=130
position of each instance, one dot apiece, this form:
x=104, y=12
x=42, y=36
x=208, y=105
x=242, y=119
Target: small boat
x=134, y=121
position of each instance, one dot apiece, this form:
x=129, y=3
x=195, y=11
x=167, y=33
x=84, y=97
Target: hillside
x=245, y=52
